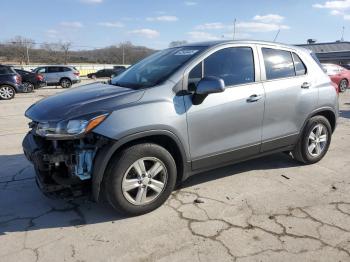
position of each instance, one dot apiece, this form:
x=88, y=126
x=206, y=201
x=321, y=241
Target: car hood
x=83, y=100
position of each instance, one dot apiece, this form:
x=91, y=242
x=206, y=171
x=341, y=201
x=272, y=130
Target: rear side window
x=4, y=70
x=65, y=69
x=278, y=63
x=54, y=69
x=300, y=68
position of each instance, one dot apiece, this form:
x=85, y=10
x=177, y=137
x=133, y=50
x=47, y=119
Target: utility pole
x=234, y=29
x=342, y=34
x=27, y=53
x=123, y=54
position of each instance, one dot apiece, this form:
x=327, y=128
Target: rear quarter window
x=300, y=68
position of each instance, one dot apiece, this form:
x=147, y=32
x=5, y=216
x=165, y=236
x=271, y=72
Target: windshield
x=156, y=68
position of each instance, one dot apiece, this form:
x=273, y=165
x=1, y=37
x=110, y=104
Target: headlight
x=69, y=129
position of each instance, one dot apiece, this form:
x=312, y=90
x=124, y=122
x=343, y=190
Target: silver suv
x=177, y=113
x=64, y=76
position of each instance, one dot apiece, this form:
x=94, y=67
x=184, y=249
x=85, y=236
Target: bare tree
x=65, y=48
x=21, y=46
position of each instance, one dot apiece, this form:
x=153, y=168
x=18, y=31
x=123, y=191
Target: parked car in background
x=31, y=80
x=10, y=83
x=339, y=75
x=106, y=73
x=117, y=71
x=347, y=66
x=179, y=112
x=65, y=76
x=101, y=73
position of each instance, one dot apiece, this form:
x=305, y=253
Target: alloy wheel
x=6, y=92
x=28, y=87
x=144, y=181
x=343, y=85
x=317, y=140
x=65, y=83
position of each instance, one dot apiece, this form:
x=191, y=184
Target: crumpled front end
x=63, y=167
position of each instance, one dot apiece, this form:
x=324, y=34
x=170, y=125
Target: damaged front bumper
x=63, y=167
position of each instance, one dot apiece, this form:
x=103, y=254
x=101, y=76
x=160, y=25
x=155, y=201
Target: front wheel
x=140, y=179
x=314, y=141
x=343, y=85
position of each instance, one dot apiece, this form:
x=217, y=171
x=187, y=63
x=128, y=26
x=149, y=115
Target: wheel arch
x=65, y=77
x=9, y=84
x=327, y=113
x=164, y=138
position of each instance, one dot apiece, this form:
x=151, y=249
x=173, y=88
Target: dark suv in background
x=10, y=83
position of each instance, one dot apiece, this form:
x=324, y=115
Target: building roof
x=328, y=47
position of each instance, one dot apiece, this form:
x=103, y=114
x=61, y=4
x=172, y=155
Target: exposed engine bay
x=63, y=167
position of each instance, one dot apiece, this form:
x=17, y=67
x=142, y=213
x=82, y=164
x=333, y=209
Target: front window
x=156, y=68
x=235, y=65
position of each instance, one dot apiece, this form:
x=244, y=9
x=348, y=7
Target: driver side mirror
x=207, y=85
x=210, y=85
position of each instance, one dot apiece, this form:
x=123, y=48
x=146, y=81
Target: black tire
x=118, y=169
x=301, y=151
x=343, y=85
x=7, y=92
x=65, y=83
x=28, y=87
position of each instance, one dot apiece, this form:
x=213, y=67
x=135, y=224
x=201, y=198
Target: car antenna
x=278, y=32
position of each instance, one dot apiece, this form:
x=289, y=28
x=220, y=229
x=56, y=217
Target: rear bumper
x=19, y=88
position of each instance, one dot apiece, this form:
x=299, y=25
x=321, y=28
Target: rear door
x=52, y=76
x=289, y=96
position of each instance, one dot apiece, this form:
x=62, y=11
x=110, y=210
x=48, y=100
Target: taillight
x=77, y=73
x=39, y=77
x=18, y=79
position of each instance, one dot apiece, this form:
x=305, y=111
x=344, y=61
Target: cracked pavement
x=268, y=209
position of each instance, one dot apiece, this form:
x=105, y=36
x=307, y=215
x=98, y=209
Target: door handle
x=305, y=85
x=254, y=98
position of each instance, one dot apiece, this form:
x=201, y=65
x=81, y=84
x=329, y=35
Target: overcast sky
x=155, y=23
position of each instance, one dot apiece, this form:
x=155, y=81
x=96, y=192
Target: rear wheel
x=140, y=179
x=65, y=83
x=28, y=87
x=343, y=85
x=7, y=92
x=314, y=141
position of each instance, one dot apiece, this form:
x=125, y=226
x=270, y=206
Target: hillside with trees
x=20, y=50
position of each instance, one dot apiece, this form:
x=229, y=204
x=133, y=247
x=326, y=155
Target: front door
x=226, y=126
